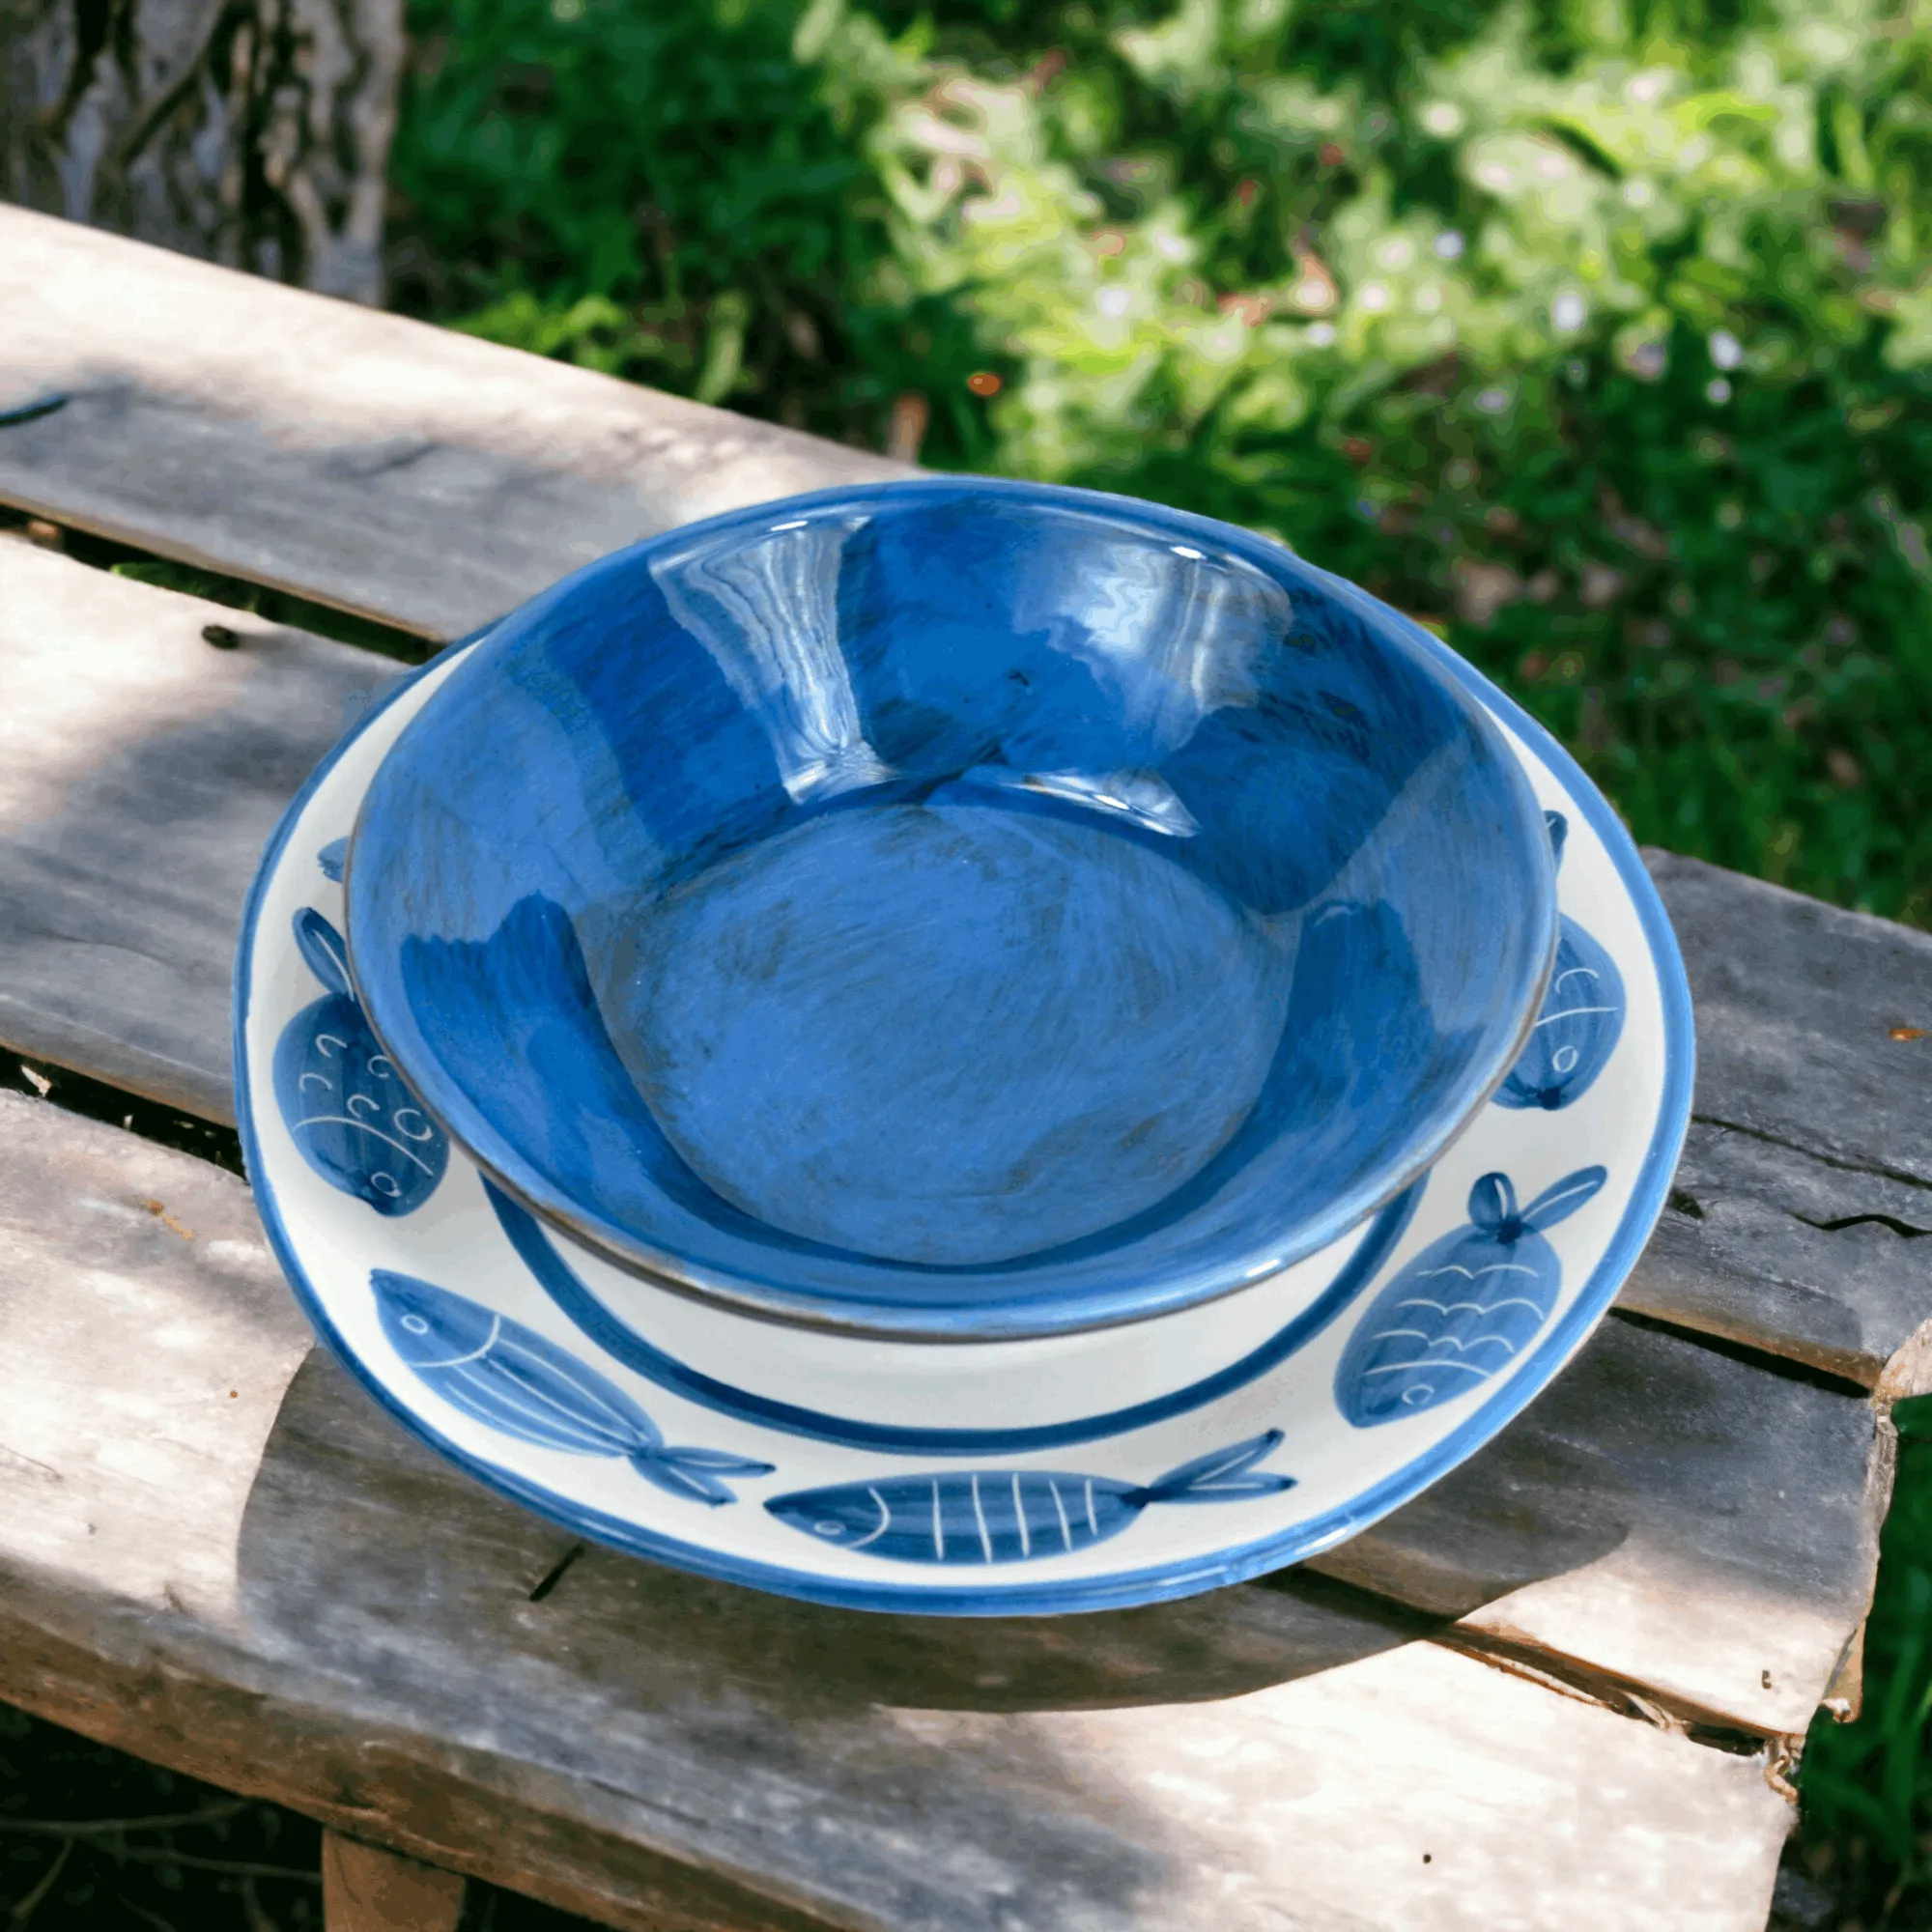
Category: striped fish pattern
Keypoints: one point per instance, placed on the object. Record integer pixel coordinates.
(1012, 1516)
(346, 1105)
(1465, 1308)
(1581, 1021)
(521, 1384)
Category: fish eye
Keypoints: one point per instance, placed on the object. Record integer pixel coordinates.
(416, 1324)
(1565, 1061)
(386, 1184)
(828, 1529)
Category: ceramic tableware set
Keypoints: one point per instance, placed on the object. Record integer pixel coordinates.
(957, 1046)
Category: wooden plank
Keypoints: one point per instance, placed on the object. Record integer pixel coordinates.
(366, 1889)
(404, 473)
(1800, 1024)
(141, 771)
(1772, 1246)
(276, 1589)
(1634, 1557)
(1806, 1185)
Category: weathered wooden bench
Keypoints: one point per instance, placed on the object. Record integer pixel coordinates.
(1564, 1687)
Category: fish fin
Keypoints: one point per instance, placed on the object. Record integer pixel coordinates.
(720, 1460)
(695, 1474)
(1559, 830)
(330, 859)
(1493, 1203)
(322, 949)
(1557, 1203)
(1220, 1475)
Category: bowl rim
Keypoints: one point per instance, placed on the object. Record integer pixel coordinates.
(470, 1129)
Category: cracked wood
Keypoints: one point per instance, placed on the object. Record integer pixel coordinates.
(1798, 1217)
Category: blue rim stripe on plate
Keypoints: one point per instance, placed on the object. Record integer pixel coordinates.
(561, 1283)
(1127, 1588)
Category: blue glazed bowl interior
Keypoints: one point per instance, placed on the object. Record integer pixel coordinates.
(952, 908)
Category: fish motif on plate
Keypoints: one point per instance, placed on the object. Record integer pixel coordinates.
(1465, 1308)
(346, 1107)
(523, 1384)
(1580, 1021)
(1013, 1515)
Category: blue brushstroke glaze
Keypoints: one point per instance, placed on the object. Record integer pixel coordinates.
(953, 908)
(517, 1382)
(1465, 1308)
(1012, 1516)
(330, 859)
(346, 1107)
(1581, 1020)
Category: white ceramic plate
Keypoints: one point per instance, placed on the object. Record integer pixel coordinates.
(1069, 1472)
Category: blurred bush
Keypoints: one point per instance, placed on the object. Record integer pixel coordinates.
(1597, 334)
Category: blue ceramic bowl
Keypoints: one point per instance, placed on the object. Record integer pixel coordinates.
(952, 908)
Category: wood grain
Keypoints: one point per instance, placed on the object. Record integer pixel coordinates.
(1827, 1262)
(141, 771)
(1806, 1189)
(366, 1889)
(325, 1613)
(404, 473)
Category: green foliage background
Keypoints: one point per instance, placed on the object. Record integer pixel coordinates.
(1595, 331)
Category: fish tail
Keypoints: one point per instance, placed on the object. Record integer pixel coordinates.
(323, 951)
(696, 1474)
(1556, 1203)
(1220, 1476)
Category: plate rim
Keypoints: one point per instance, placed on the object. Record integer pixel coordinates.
(1120, 1589)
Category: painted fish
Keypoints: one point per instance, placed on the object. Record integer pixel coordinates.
(1581, 1021)
(1009, 1516)
(354, 1121)
(516, 1380)
(1466, 1306)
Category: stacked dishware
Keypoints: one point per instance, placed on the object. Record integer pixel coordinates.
(957, 1046)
